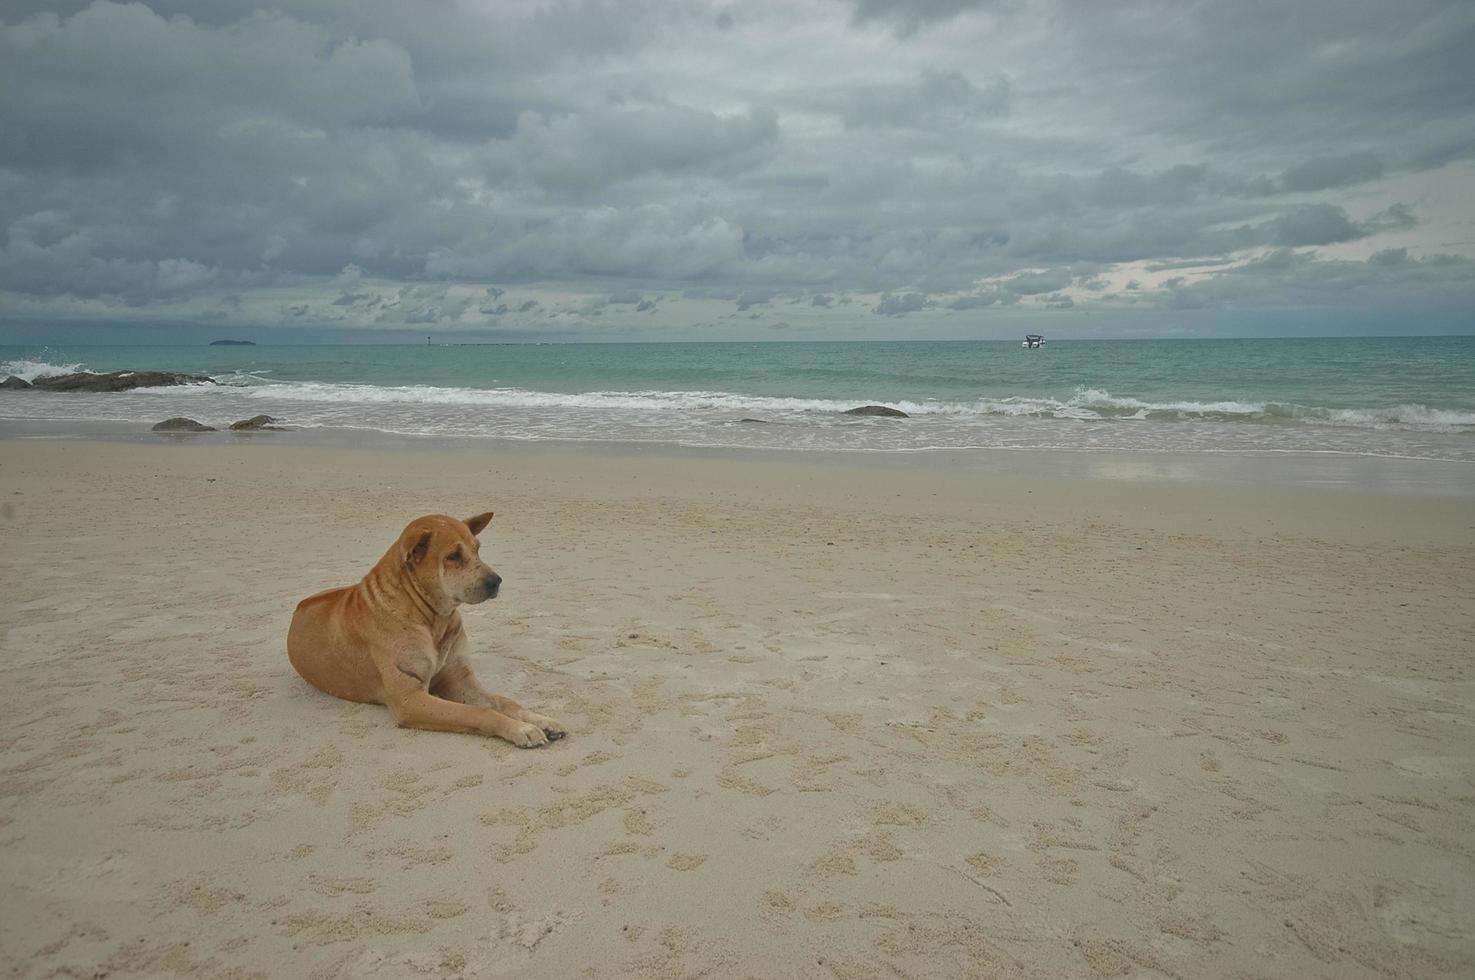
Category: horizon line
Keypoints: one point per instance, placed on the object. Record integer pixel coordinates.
(770, 340)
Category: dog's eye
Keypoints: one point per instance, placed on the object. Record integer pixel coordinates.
(454, 556)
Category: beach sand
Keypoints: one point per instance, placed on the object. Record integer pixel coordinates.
(827, 720)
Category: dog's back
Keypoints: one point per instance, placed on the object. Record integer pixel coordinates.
(324, 656)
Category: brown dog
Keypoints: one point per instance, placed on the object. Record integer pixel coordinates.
(396, 638)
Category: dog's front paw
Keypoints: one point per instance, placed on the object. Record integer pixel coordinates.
(551, 728)
(526, 736)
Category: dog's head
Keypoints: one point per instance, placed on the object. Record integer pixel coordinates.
(443, 555)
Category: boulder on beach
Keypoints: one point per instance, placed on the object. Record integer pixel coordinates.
(117, 380)
(878, 410)
(255, 423)
(181, 424)
(12, 383)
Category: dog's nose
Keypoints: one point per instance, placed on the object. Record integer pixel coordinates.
(493, 584)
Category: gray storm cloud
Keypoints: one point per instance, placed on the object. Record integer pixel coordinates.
(222, 159)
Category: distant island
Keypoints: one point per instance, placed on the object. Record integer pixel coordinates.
(232, 343)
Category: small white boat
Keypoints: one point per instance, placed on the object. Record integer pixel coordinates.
(1033, 340)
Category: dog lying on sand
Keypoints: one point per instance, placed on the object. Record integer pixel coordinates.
(396, 638)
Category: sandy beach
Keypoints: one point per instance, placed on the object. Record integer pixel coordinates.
(828, 720)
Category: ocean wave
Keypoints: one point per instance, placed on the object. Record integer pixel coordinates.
(241, 379)
(1412, 416)
(1085, 405)
(307, 391)
(31, 370)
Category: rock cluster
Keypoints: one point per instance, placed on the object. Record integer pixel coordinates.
(256, 423)
(181, 424)
(878, 410)
(116, 381)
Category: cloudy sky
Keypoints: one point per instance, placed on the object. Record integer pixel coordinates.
(684, 169)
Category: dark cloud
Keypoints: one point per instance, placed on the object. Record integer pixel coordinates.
(974, 301)
(1118, 187)
(909, 15)
(1396, 217)
(583, 151)
(900, 305)
(1318, 79)
(1313, 224)
(358, 162)
(1328, 172)
(1032, 283)
(934, 100)
(1287, 277)
(754, 297)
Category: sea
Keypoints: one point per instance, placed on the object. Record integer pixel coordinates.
(1405, 398)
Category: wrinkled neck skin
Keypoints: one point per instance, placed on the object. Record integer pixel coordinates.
(393, 583)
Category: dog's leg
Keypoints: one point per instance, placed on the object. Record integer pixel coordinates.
(421, 709)
(409, 699)
(457, 682)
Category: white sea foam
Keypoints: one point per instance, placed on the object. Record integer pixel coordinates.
(1412, 416)
(521, 398)
(241, 379)
(1086, 405)
(31, 370)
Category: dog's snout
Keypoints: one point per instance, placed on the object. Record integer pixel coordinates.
(493, 584)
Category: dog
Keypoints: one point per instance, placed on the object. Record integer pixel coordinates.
(396, 638)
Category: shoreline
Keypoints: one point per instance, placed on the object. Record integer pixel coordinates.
(1337, 471)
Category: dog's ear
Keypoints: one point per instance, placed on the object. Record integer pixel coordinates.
(418, 551)
(478, 522)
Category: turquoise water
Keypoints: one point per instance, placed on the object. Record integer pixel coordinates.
(1365, 396)
(1438, 372)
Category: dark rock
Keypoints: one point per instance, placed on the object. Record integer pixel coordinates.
(12, 383)
(256, 423)
(755, 421)
(232, 343)
(878, 410)
(178, 424)
(118, 381)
